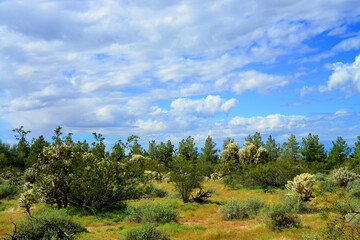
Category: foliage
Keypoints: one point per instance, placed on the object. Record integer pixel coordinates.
(338, 153)
(342, 176)
(145, 232)
(36, 148)
(150, 190)
(321, 176)
(302, 185)
(154, 213)
(290, 150)
(276, 174)
(227, 141)
(342, 219)
(353, 188)
(209, 153)
(255, 139)
(238, 209)
(272, 148)
(297, 204)
(54, 173)
(48, 224)
(7, 190)
(280, 215)
(186, 175)
(100, 182)
(312, 150)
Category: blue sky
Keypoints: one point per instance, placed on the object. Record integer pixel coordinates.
(170, 69)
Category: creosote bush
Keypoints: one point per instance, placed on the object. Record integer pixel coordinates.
(154, 213)
(146, 232)
(238, 209)
(353, 188)
(280, 215)
(302, 186)
(150, 191)
(7, 190)
(46, 225)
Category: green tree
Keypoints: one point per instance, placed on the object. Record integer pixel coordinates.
(98, 147)
(255, 139)
(134, 146)
(21, 151)
(290, 150)
(338, 153)
(272, 148)
(312, 151)
(209, 153)
(187, 149)
(36, 148)
(118, 151)
(57, 140)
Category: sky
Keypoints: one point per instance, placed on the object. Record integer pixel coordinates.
(171, 69)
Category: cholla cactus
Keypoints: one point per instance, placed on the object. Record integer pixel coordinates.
(302, 185)
(342, 176)
(28, 198)
(261, 155)
(247, 153)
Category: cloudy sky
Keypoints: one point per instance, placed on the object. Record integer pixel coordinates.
(170, 69)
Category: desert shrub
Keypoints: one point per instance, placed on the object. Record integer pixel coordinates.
(342, 176)
(238, 209)
(154, 213)
(353, 188)
(320, 176)
(46, 225)
(29, 175)
(211, 190)
(302, 186)
(325, 186)
(7, 190)
(275, 174)
(279, 216)
(150, 191)
(299, 206)
(175, 194)
(145, 232)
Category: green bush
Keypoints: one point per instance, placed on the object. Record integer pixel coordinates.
(238, 209)
(320, 176)
(151, 191)
(324, 186)
(299, 206)
(146, 232)
(47, 225)
(7, 190)
(353, 188)
(279, 216)
(154, 213)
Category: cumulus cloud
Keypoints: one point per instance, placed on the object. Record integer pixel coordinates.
(256, 80)
(345, 76)
(273, 122)
(209, 106)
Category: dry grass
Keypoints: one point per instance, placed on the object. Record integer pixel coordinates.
(196, 221)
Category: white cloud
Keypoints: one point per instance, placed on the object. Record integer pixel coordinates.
(345, 77)
(209, 106)
(273, 122)
(256, 80)
(150, 125)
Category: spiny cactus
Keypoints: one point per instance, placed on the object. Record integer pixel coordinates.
(302, 185)
(342, 176)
